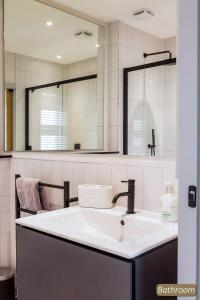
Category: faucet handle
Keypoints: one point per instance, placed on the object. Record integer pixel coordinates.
(129, 181)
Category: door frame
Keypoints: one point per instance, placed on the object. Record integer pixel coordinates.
(188, 125)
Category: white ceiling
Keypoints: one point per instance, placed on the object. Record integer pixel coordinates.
(26, 32)
(162, 25)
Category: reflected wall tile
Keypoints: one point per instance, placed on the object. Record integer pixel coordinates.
(152, 188)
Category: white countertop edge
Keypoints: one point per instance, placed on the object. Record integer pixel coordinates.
(98, 158)
(98, 247)
(119, 253)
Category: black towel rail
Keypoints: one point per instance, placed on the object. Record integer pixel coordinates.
(65, 187)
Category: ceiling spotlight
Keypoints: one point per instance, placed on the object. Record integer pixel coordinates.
(97, 46)
(49, 23)
(58, 56)
(143, 14)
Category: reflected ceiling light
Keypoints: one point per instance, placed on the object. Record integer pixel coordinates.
(58, 56)
(97, 46)
(49, 23)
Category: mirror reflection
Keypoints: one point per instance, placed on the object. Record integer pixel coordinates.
(53, 79)
(151, 109)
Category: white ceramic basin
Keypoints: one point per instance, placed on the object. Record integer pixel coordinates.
(102, 229)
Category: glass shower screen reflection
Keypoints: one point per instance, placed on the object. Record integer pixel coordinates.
(47, 119)
(65, 117)
(152, 106)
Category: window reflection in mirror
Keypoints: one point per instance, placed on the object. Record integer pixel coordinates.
(46, 47)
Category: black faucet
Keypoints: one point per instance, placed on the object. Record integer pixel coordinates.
(153, 145)
(130, 194)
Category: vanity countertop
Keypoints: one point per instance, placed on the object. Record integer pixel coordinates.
(102, 229)
(168, 162)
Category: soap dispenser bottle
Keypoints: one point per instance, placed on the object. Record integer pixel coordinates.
(169, 204)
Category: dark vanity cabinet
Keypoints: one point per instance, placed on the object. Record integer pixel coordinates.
(50, 268)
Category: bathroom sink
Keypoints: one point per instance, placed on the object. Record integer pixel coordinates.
(102, 229)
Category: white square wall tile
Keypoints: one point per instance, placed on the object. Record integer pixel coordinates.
(152, 188)
(36, 169)
(67, 171)
(57, 198)
(169, 174)
(114, 138)
(113, 32)
(120, 173)
(113, 84)
(57, 172)
(47, 170)
(4, 183)
(113, 57)
(78, 177)
(5, 252)
(5, 214)
(104, 174)
(18, 166)
(91, 173)
(137, 174)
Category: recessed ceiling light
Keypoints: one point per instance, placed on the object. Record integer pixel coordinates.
(58, 56)
(49, 23)
(97, 46)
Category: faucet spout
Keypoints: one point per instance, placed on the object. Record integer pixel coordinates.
(130, 194)
(117, 196)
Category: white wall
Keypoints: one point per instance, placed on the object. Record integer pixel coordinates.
(10, 69)
(5, 228)
(1, 80)
(188, 139)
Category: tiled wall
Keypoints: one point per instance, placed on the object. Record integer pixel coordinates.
(83, 106)
(81, 68)
(169, 107)
(148, 186)
(149, 176)
(5, 212)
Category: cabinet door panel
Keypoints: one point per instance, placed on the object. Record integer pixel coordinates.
(157, 266)
(52, 269)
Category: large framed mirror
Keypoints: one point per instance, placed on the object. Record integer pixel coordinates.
(149, 107)
(54, 79)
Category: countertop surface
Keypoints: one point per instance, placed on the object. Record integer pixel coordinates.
(158, 161)
(102, 229)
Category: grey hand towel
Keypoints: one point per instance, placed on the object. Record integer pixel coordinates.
(29, 196)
